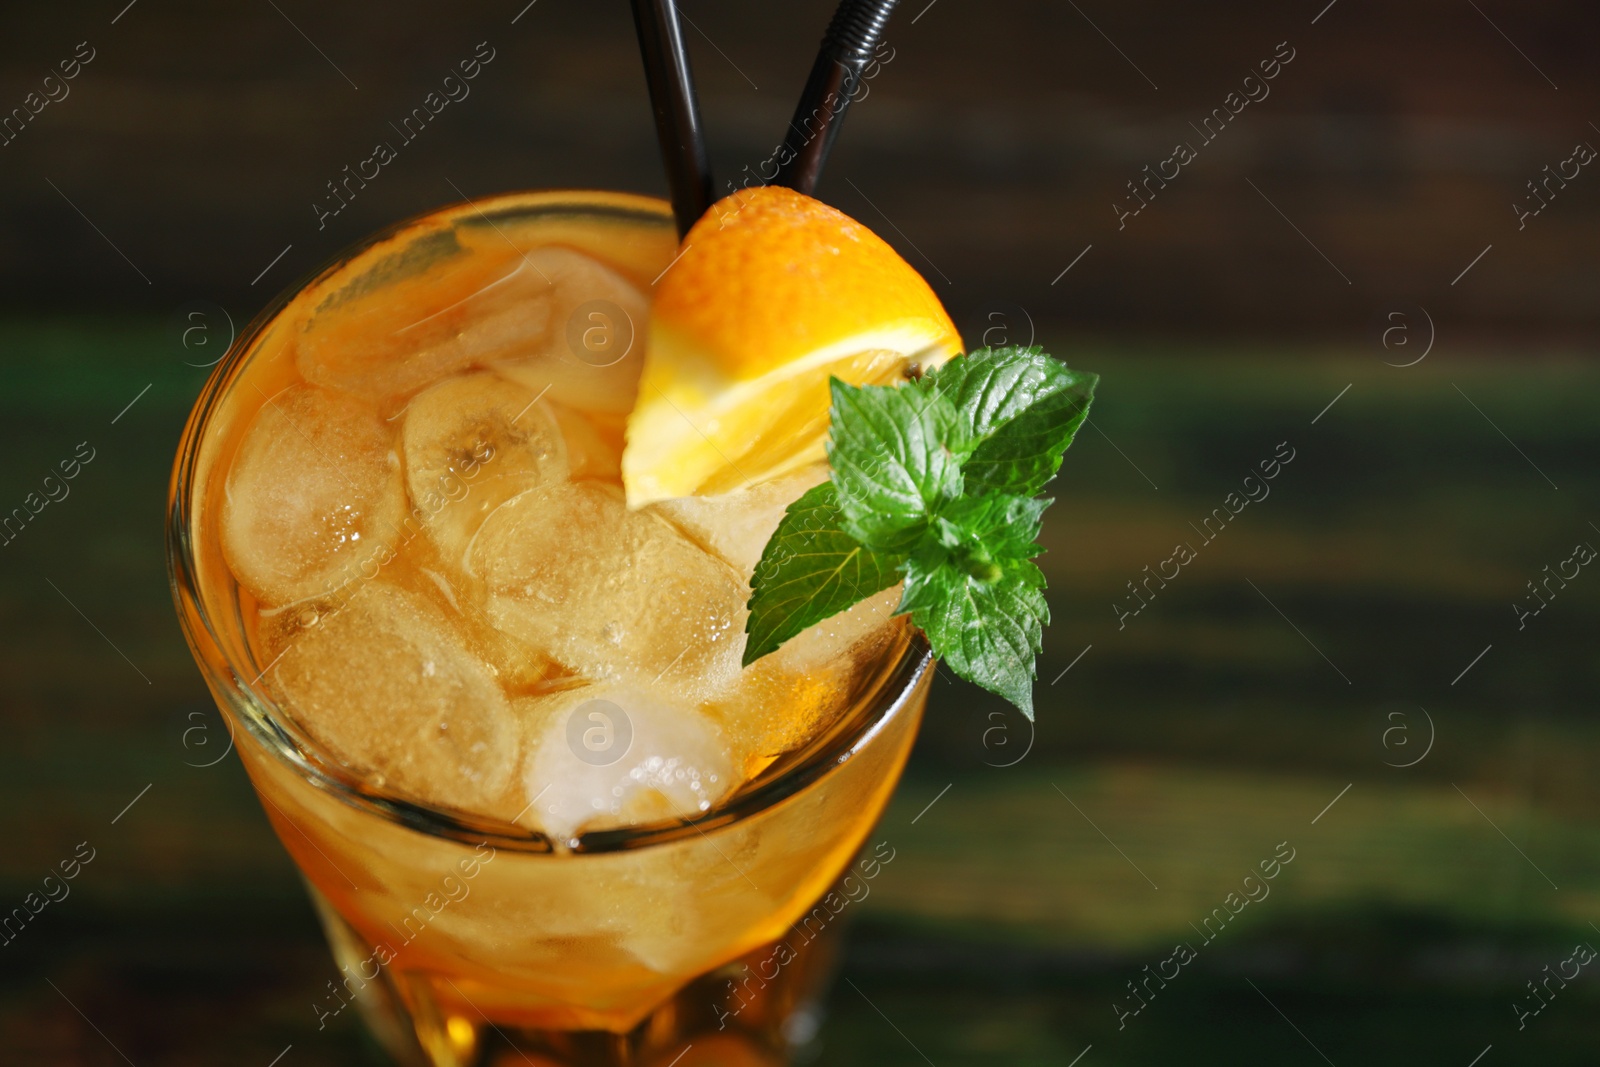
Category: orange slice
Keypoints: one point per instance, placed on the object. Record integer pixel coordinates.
(772, 293)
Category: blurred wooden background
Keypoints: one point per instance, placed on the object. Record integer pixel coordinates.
(991, 148)
(990, 151)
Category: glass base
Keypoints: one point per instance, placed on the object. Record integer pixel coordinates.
(759, 1011)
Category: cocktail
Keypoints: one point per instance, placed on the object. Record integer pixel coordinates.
(571, 661)
(353, 604)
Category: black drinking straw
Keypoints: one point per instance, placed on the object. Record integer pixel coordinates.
(847, 48)
(683, 145)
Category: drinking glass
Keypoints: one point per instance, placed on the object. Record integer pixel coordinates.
(463, 940)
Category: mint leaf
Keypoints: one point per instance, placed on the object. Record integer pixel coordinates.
(893, 460)
(1020, 407)
(988, 632)
(810, 570)
(1002, 525)
(934, 482)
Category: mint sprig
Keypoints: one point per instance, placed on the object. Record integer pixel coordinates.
(1020, 410)
(896, 458)
(810, 570)
(933, 483)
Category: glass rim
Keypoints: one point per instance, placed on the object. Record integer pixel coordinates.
(242, 703)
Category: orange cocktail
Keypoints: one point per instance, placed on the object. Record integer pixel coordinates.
(498, 715)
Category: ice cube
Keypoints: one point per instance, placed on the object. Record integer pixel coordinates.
(592, 353)
(471, 443)
(516, 667)
(608, 755)
(593, 449)
(387, 684)
(857, 634)
(387, 341)
(314, 496)
(786, 698)
(737, 525)
(613, 594)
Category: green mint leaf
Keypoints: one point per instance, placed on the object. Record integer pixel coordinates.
(1020, 408)
(988, 632)
(896, 457)
(811, 570)
(934, 482)
(995, 525)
